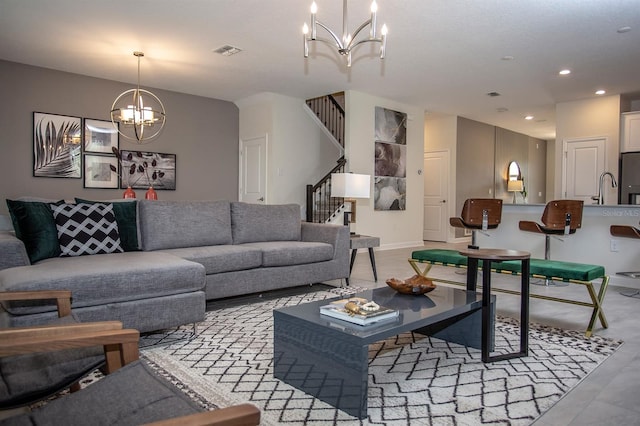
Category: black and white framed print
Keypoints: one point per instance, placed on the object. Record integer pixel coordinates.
(98, 171)
(140, 170)
(57, 142)
(100, 136)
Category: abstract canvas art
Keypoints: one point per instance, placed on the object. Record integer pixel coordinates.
(390, 159)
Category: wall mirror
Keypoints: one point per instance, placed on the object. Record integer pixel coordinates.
(514, 171)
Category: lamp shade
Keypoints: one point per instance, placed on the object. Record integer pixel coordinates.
(515, 186)
(350, 185)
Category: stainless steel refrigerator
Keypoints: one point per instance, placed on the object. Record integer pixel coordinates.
(629, 178)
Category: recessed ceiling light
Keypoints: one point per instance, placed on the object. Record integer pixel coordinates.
(565, 72)
(529, 117)
(600, 92)
(624, 30)
(507, 58)
(502, 109)
(493, 94)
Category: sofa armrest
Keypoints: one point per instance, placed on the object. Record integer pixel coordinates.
(12, 251)
(336, 235)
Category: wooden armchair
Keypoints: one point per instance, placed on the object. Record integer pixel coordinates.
(131, 393)
(28, 377)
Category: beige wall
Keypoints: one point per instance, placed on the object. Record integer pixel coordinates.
(597, 117)
(202, 132)
(395, 228)
(298, 152)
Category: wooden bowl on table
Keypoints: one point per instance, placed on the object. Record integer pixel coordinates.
(415, 285)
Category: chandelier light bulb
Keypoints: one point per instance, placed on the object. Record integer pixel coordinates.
(384, 30)
(314, 8)
(374, 6)
(305, 29)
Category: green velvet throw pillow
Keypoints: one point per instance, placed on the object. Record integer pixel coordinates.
(34, 225)
(126, 218)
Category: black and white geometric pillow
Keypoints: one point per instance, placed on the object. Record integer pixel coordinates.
(86, 229)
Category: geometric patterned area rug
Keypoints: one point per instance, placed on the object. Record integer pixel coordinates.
(413, 379)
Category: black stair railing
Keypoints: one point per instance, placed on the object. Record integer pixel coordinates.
(331, 114)
(320, 204)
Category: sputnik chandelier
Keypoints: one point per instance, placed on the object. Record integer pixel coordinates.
(136, 117)
(348, 41)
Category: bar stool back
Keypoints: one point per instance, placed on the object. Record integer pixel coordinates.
(627, 231)
(478, 214)
(560, 217)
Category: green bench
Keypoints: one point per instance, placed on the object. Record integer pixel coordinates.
(575, 273)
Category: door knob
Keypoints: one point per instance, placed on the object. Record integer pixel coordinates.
(443, 201)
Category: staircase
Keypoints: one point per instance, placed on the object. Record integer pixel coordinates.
(329, 114)
(320, 205)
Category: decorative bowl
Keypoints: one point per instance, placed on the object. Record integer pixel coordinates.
(415, 285)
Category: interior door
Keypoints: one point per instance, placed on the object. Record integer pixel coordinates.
(253, 170)
(436, 191)
(584, 163)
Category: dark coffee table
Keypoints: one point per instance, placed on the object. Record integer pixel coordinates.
(328, 358)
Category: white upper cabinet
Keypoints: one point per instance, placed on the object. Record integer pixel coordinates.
(630, 130)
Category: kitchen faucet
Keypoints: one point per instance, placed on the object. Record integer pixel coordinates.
(600, 197)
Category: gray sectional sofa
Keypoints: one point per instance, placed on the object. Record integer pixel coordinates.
(185, 253)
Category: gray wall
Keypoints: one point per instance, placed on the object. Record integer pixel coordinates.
(483, 155)
(202, 132)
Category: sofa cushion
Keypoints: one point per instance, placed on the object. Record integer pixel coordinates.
(126, 213)
(259, 222)
(286, 253)
(223, 258)
(175, 224)
(104, 278)
(86, 229)
(34, 225)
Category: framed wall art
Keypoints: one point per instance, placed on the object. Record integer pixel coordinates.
(57, 142)
(98, 172)
(100, 136)
(390, 177)
(140, 170)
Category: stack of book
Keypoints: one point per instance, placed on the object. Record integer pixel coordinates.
(362, 317)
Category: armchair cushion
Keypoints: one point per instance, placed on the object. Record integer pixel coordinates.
(132, 395)
(33, 377)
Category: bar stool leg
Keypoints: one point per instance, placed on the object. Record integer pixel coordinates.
(547, 282)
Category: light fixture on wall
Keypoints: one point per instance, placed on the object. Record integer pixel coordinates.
(137, 113)
(348, 41)
(515, 186)
(350, 186)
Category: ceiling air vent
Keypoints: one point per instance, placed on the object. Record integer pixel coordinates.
(227, 50)
(493, 94)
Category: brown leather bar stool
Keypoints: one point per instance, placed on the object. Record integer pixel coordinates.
(473, 217)
(627, 231)
(560, 217)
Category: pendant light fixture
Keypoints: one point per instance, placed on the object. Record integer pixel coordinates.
(138, 114)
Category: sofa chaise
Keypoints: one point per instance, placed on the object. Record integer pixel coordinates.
(177, 255)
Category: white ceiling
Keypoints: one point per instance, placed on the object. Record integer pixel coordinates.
(442, 55)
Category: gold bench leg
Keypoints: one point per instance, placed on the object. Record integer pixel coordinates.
(597, 305)
(423, 272)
